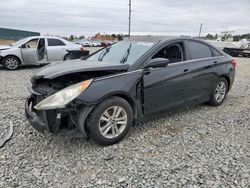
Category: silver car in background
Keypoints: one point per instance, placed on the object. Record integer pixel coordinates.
(39, 50)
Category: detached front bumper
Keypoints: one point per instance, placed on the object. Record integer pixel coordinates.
(35, 121)
(67, 120)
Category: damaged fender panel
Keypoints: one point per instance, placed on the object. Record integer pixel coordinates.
(125, 84)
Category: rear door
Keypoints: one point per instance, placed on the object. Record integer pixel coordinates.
(56, 49)
(202, 68)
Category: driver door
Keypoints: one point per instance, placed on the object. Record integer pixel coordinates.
(28, 51)
(166, 87)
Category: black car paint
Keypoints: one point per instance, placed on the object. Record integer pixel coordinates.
(148, 91)
(76, 66)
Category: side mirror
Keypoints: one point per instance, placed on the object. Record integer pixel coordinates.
(22, 46)
(157, 62)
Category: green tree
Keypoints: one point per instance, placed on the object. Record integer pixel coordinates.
(209, 36)
(72, 37)
(215, 36)
(120, 37)
(113, 36)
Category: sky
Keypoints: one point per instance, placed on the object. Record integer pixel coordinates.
(149, 17)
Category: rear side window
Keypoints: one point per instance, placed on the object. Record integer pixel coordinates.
(55, 42)
(199, 50)
(215, 53)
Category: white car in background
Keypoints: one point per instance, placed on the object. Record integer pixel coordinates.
(39, 50)
(86, 43)
(96, 44)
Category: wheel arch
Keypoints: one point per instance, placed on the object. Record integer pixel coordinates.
(11, 55)
(130, 101)
(227, 79)
(86, 112)
(124, 96)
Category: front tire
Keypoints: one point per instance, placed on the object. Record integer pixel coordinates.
(11, 62)
(110, 121)
(219, 92)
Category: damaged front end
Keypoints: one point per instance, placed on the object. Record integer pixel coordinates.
(70, 118)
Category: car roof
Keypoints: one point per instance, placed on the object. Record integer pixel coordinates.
(154, 39)
(34, 37)
(162, 39)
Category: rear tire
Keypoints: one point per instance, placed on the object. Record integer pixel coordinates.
(219, 92)
(11, 62)
(110, 121)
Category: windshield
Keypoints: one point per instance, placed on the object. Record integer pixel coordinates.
(122, 52)
(19, 42)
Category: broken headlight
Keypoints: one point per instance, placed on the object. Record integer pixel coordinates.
(61, 98)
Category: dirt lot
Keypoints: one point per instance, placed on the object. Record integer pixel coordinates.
(199, 146)
(6, 42)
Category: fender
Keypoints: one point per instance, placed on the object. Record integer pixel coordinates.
(126, 84)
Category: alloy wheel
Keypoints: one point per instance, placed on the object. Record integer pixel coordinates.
(220, 91)
(11, 63)
(113, 122)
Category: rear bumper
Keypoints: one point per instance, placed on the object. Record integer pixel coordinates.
(232, 77)
(77, 54)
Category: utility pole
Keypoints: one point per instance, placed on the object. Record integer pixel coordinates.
(200, 31)
(129, 24)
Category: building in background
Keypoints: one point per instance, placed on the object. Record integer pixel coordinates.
(13, 34)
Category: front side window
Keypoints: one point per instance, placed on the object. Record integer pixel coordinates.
(19, 42)
(122, 52)
(173, 52)
(199, 50)
(32, 43)
(55, 42)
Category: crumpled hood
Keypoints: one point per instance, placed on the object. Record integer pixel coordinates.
(4, 47)
(57, 69)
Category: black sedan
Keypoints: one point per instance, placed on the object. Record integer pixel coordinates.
(102, 95)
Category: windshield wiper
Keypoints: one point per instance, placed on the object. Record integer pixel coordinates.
(125, 57)
(100, 58)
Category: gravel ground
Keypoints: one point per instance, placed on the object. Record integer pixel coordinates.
(199, 146)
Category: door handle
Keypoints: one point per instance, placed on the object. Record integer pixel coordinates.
(186, 70)
(215, 62)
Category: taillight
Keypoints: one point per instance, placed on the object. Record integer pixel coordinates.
(234, 63)
(82, 49)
